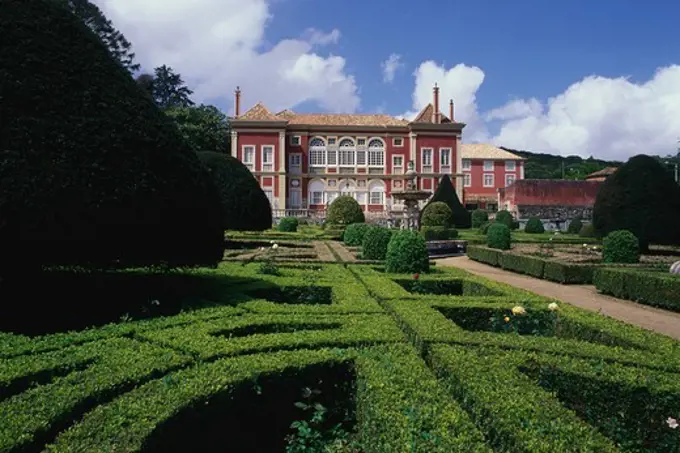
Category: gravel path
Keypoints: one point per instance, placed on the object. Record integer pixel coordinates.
(583, 296)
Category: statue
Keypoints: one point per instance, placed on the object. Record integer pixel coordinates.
(410, 197)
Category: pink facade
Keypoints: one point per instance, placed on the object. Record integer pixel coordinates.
(305, 161)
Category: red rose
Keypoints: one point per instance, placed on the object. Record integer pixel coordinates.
(416, 276)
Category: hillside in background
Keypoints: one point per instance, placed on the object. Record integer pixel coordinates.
(549, 166)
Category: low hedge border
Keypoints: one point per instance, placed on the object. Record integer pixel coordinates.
(565, 273)
(209, 340)
(649, 288)
(401, 407)
(29, 418)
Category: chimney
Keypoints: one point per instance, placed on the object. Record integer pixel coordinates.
(237, 102)
(451, 111)
(437, 116)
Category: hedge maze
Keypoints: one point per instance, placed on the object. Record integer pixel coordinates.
(362, 359)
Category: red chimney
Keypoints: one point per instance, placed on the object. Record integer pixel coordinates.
(451, 111)
(437, 116)
(237, 102)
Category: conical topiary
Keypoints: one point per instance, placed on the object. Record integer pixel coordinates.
(643, 198)
(447, 193)
(91, 171)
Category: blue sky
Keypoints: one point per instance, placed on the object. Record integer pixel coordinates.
(594, 77)
(527, 48)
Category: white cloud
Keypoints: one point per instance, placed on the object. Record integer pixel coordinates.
(317, 37)
(218, 44)
(390, 67)
(518, 108)
(611, 118)
(459, 83)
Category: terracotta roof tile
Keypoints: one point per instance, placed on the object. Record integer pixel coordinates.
(339, 119)
(486, 151)
(259, 113)
(425, 115)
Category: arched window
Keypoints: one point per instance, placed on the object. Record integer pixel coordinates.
(347, 152)
(376, 192)
(316, 192)
(376, 153)
(317, 153)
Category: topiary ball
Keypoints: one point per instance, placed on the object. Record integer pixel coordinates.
(479, 217)
(587, 231)
(374, 245)
(344, 210)
(407, 253)
(534, 226)
(621, 246)
(504, 217)
(575, 226)
(288, 224)
(354, 234)
(498, 236)
(436, 214)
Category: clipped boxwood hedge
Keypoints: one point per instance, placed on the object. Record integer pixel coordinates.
(354, 234)
(650, 288)
(374, 245)
(434, 233)
(288, 225)
(407, 252)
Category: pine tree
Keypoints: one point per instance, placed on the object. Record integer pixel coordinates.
(169, 90)
(119, 47)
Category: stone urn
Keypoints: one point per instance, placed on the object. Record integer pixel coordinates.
(675, 268)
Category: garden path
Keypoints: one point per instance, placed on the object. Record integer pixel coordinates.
(582, 296)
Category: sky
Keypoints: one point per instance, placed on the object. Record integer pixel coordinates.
(580, 77)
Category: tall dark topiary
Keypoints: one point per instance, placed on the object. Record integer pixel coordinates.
(641, 197)
(447, 193)
(91, 172)
(245, 205)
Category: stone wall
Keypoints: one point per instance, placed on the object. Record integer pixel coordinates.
(554, 212)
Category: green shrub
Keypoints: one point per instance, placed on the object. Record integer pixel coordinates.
(620, 247)
(505, 218)
(245, 206)
(575, 226)
(534, 226)
(436, 214)
(92, 171)
(587, 231)
(498, 236)
(437, 233)
(643, 198)
(288, 225)
(344, 210)
(484, 255)
(479, 217)
(484, 228)
(354, 234)
(523, 264)
(447, 193)
(374, 245)
(407, 253)
(650, 288)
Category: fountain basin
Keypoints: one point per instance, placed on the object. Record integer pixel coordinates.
(443, 249)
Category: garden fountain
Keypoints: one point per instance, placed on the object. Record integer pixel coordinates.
(411, 196)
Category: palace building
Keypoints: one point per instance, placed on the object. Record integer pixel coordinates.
(303, 161)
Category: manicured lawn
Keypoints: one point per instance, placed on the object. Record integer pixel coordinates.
(374, 362)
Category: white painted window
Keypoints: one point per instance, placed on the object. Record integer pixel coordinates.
(467, 180)
(361, 157)
(316, 197)
(332, 158)
(332, 140)
(361, 197)
(376, 198)
(376, 153)
(295, 199)
(317, 153)
(316, 192)
(376, 192)
(488, 165)
(347, 152)
(426, 159)
(509, 179)
(398, 165)
(295, 162)
(488, 180)
(295, 140)
(445, 156)
(398, 142)
(249, 157)
(510, 165)
(267, 158)
(361, 142)
(270, 196)
(330, 196)
(467, 164)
